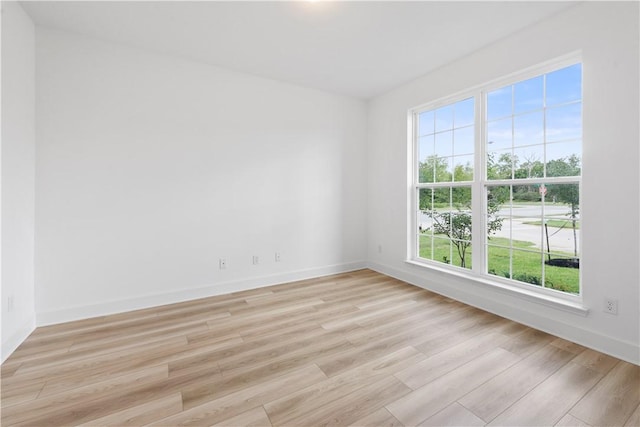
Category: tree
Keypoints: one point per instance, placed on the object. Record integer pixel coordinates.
(531, 167)
(566, 193)
(501, 167)
(463, 172)
(457, 224)
(434, 169)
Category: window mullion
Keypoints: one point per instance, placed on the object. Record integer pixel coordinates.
(414, 239)
(478, 198)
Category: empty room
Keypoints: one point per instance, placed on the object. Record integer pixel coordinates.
(311, 213)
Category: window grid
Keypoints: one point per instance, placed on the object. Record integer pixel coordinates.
(480, 183)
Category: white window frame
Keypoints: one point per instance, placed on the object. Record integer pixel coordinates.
(478, 273)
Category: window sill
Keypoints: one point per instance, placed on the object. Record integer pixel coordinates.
(574, 307)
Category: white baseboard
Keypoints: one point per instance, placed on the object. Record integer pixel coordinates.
(618, 348)
(119, 306)
(10, 344)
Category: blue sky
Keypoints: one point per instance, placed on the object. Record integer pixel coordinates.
(516, 120)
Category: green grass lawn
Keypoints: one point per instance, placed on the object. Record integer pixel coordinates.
(527, 266)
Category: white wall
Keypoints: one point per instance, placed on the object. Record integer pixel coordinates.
(151, 168)
(18, 175)
(607, 34)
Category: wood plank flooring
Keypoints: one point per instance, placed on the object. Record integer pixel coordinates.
(356, 349)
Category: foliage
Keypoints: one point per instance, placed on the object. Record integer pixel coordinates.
(502, 167)
(527, 196)
(456, 224)
(450, 207)
(434, 169)
(501, 260)
(522, 277)
(530, 168)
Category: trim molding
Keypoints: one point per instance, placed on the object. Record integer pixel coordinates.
(520, 313)
(539, 298)
(11, 344)
(118, 306)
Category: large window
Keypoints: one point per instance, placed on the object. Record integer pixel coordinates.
(497, 181)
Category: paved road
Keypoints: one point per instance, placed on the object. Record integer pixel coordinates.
(533, 211)
(514, 226)
(560, 240)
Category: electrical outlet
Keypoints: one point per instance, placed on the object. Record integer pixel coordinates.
(256, 260)
(611, 306)
(10, 303)
(223, 263)
(277, 257)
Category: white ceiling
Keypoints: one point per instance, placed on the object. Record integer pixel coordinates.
(359, 49)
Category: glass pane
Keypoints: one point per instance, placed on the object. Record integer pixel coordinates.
(499, 261)
(444, 144)
(527, 267)
(442, 250)
(425, 200)
(528, 95)
(528, 198)
(442, 198)
(463, 140)
(499, 134)
(529, 162)
(461, 199)
(562, 214)
(463, 111)
(499, 164)
(527, 211)
(461, 225)
(463, 168)
(564, 85)
(461, 256)
(526, 232)
(498, 197)
(564, 122)
(522, 195)
(426, 170)
(424, 246)
(444, 118)
(499, 103)
(498, 220)
(562, 274)
(564, 158)
(444, 169)
(425, 147)
(560, 236)
(528, 129)
(562, 204)
(442, 221)
(426, 123)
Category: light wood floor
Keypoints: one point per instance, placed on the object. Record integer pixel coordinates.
(352, 349)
